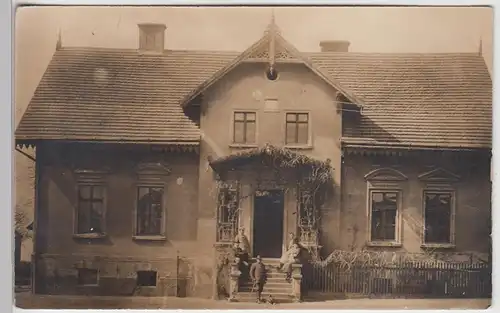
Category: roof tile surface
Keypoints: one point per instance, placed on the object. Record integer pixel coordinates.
(441, 100)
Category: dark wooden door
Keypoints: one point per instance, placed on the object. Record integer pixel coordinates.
(268, 224)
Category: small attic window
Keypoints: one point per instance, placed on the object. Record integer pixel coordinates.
(151, 37)
(272, 73)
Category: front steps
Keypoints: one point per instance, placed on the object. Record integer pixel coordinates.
(276, 286)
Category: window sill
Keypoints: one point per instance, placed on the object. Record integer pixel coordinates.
(90, 236)
(299, 147)
(384, 244)
(149, 238)
(243, 145)
(437, 246)
(223, 244)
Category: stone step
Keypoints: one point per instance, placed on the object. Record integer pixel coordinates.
(270, 284)
(281, 289)
(277, 297)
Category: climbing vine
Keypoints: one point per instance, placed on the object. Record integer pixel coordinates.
(311, 179)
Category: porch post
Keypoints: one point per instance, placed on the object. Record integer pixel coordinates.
(297, 282)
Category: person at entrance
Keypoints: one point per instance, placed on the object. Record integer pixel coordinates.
(290, 257)
(259, 276)
(242, 251)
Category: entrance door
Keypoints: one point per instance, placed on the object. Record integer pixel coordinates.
(268, 223)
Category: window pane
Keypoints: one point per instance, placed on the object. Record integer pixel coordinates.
(96, 220)
(437, 217)
(83, 219)
(239, 132)
(304, 117)
(303, 133)
(239, 117)
(250, 117)
(97, 192)
(85, 192)
(377, 226)
(384, 212)
(149, 211)
(143, 191)
(291, 117)
(291, 133)
(250, 132)
(156, 195)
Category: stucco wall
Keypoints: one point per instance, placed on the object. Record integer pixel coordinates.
(58, 199)
(473, 199)
(297, 89)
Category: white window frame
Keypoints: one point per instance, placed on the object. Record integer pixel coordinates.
(151, 175)
(234, 144)
(385, 180)
(92, 178)
(309, 143)
(438, 181)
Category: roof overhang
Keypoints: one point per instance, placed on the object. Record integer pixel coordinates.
(172, 146)
(370, 146)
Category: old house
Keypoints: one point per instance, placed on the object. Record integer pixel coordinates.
(148, 160)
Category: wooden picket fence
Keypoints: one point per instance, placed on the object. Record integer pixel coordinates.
(416, 279)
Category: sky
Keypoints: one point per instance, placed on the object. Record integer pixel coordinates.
(369, 29)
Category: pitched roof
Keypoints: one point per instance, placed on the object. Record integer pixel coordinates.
(422, 100)
(427, 100)
(272, 40)
(118, 95)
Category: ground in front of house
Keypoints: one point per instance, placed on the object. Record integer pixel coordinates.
(28, 301)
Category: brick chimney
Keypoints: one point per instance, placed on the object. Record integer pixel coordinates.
(151, 37)
(334, 46)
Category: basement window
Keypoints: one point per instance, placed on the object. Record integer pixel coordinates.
(146, 278)
(87, 277)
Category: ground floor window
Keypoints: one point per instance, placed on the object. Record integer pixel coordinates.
(437, 217)
(150, 211)
(384, 206)
(91, 208)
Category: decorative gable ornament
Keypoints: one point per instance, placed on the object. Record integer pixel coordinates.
(385, 174)
(264, 53)
(153, 168)
(94, 175)
(439, 175)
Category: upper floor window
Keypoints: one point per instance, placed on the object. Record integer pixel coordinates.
(437, 216)
(297, 128)
(244, 128)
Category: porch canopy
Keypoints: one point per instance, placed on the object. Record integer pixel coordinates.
(277, 158)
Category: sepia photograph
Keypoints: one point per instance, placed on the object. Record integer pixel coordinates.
(253, 157)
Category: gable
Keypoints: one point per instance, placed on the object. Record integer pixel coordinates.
(272, 48)
(438, 175)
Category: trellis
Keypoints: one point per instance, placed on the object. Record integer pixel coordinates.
(311, 179)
